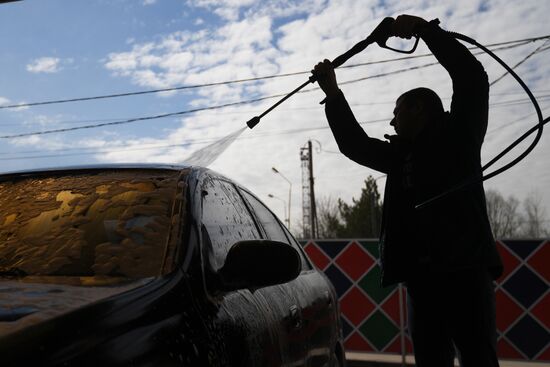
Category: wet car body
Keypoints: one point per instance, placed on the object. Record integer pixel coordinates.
(212, 303)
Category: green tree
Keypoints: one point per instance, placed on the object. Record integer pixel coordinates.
(360, 219)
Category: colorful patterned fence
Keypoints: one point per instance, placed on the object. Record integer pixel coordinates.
(374, 318)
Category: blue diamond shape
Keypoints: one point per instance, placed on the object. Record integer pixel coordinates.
(525, 286)
(522, 248)
(338, 279)
(528, 336)
(346, 327)
(332, 248)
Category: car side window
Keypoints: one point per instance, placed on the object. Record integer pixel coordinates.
(272, 225)
(225, 218)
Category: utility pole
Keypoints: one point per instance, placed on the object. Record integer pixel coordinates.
(309, 210)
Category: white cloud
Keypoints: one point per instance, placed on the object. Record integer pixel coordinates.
(149, 2)
(44, 65)
(235, 50)
(226, 9)
(4, 101)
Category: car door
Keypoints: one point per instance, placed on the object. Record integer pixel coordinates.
(240, 323)
(311, 332)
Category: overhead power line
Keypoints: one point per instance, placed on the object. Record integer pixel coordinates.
(538, 49)
(42, 154)
(498, 46)
(180, 113)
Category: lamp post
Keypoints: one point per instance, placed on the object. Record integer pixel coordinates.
(284, 203)
(289, 192)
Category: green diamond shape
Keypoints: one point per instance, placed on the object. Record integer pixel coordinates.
(371, 285)
(379, 330)
(372, 247)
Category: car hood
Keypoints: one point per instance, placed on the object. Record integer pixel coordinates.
(24, 303)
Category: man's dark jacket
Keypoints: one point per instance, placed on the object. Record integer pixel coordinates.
(452, 233)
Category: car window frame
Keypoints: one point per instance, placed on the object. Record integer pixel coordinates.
(210, 253)
(290, 239)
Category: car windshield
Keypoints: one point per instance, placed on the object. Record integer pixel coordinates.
(106, 223)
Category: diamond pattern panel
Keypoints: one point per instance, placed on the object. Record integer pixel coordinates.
(357, 342)
(509, 261)
(525, 286)
(319, 259)
(348, 306)
(507, 350)
(347, 329)
(372, 247)
(371, 316)
(508, 311)
(538, 338)
(370, 283)
(540, 261)
(379, 330)
(332, 248)
(391, 307)
(522, 248)
(354, 261)
(542, 310)
(545, 356)
(339, 280)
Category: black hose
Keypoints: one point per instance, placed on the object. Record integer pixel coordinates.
(539, 128)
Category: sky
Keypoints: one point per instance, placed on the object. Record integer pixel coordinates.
(62, 49)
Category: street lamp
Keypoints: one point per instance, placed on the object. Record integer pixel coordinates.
(289, 192)
(284, 203)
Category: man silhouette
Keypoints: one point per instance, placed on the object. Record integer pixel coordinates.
(445, 252)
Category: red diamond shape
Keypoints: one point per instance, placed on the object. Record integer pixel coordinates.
(545, 356)
(394, 347)
(391, 307)
(509, 260)
(508, 310)
(408, 344)
(539, 261)
(317, 256)
(355, 261)
(541, 310)
(356, 306)
(507, 350)
(357, 343)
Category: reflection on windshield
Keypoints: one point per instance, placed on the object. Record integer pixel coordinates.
(113, 223)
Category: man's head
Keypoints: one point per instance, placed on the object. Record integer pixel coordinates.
(414, 110)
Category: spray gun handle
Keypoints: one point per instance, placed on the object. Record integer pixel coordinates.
(385, 31)
(380, 35)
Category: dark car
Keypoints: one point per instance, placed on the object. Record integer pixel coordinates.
(155, 266)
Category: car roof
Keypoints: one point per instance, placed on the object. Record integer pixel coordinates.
(61, 169)
(194, 170)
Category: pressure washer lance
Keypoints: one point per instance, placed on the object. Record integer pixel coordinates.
(380, 35)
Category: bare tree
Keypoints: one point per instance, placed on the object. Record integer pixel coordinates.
(328, 217)
(534, 217)
(503, 214)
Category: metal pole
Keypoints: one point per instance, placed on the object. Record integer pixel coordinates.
(289, 192)
(402, 326)
(284, 205)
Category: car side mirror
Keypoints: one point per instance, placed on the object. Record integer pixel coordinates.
(259, 263)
